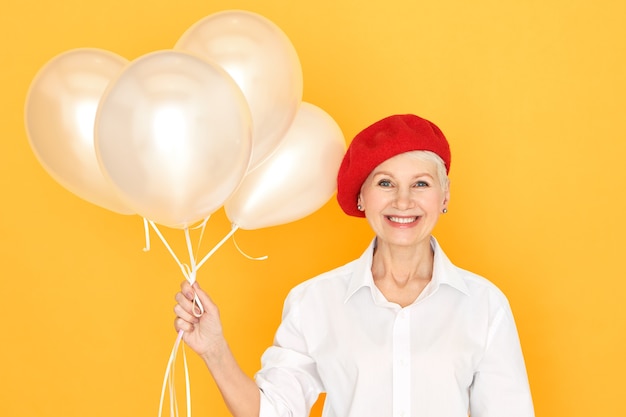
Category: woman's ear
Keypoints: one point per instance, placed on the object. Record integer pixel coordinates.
(359, 203)
(446, 197)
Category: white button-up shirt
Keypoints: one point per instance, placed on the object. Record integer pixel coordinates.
(455, 351)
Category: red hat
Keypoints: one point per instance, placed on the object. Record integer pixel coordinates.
(375, 144)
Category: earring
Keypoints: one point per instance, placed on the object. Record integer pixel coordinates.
(444, 211)
(359, 207)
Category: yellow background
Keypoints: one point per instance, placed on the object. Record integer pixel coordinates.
(531, 95)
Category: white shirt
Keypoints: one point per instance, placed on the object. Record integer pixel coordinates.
(455, 351)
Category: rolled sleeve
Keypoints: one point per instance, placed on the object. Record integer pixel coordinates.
(500, 386)
(288, 379)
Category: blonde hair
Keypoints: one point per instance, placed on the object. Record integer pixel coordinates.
(442, 174)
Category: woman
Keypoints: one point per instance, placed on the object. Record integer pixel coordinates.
(400, 331)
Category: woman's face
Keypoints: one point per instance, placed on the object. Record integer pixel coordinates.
(403, 198)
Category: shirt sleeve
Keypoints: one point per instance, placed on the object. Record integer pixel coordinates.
(288, 379)
(500, 386)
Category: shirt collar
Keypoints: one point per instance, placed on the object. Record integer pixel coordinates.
(362, 274)
(444, 272)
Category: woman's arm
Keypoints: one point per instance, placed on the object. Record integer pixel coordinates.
(500, 386)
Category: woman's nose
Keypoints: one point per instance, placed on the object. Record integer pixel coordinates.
(403, 199)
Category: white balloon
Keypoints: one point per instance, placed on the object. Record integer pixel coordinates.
(173, 134)
(297, 179)
(264, 63)
(60, 113)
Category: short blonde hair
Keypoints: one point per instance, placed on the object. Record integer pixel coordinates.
(442, 173)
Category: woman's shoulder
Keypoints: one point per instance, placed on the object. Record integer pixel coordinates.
(333, 281)
(467, 281)
(482, 287)
(330, 277)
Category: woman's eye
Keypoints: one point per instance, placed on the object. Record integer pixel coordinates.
(421, 184)
(384, 183)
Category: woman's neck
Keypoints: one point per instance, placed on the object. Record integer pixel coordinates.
(402, 272)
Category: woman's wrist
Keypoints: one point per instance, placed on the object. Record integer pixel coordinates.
(216, 353)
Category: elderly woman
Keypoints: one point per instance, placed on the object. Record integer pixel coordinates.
(401, 331)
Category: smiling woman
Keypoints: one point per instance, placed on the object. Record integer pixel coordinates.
(443, 340)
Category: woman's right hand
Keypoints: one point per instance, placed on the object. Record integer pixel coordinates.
(203, 334)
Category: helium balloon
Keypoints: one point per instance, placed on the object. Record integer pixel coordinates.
(264, 64)
(297, 179)
(60, 114)
(173, 134)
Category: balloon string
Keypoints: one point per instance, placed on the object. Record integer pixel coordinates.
(197, 307)
(146, 229)
(202, 227)
(187, 385)
(182, 267)
(172, 388)
(195, 267)
(190, 274)
(169, 378)
(192, 258)
(216, 247)
(260, 258)
(166, 378)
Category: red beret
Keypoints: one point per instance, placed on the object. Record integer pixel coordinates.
(375, 144)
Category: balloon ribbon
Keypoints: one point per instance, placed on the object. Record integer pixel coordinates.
(198, 309)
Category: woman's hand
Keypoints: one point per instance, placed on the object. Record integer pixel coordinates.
(203, 334)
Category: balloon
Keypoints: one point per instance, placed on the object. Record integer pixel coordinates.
(173, 134)
(60, 113)
(297, 179)
(263, 62)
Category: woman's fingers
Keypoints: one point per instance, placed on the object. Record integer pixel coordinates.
(204, 298)
(192, 291)
(184, 310)
(187, 290)
(180, 324)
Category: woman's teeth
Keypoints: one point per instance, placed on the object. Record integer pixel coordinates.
(402, 219)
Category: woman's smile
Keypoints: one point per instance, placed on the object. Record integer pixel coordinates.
(402, 220)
